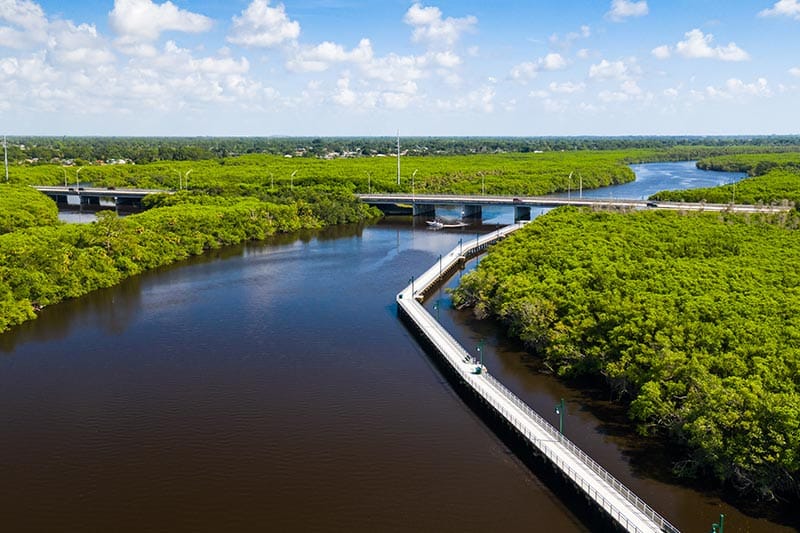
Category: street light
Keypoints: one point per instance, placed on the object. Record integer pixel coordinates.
(78, 183)
(461, 246)
(412, 183)
(569, 188)
(440, 264)
(560, 412)
(186, 178)
(436, 308)
(65, 177)
(411, 280)
(480, 352)
(719, 527)
(369, 182)
(291, 183)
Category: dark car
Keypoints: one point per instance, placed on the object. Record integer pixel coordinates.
(652, 204)
(516, 200)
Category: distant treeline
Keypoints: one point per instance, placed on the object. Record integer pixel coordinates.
(140, 150)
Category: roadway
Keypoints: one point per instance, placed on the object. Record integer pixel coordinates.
(549, 201)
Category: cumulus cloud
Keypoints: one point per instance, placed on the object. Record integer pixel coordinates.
(569, 39)
(481, 99)
(622, 9)
(699, 45)
(28, 24)
(530, 69)
(140, 22)
(795, 71)
(735, 89)
(609, 70)
(321, 57)
(783, 8)
(263, 26)
(430, 27)
(661, 52)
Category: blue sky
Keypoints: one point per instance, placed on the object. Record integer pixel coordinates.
(357, 67)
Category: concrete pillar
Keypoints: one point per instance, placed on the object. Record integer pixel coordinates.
(424, 210)
(472, 211)
(521, 212)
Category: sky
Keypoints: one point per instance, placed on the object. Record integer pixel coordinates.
(375, 67)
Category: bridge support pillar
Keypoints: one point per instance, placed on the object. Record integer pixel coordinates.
(424, 210)
(472, 211)
(521, 212)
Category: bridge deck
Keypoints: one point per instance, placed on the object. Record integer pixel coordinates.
(548, 201)
(627, 509)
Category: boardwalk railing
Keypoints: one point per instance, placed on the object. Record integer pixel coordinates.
(617, 500)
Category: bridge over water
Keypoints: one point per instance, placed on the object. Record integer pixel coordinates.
(471, 206)
(618, 503)
(98, 196)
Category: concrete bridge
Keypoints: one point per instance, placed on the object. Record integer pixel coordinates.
(98, 196)
(618, 504)
(471, 206)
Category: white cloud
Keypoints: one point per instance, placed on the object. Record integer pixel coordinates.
(481, 99)
(29, 20)
(608, 70)
(759, 88)
(583, 53)
(447, 59)
(569, 39)
(139, 22)
(661, 52)
(430, 27)
(698, 45)
(622, 9)
(529, 70)
(322, 56)
(567, 87)
(795, 71)
(613, 96)
(263, 26)
(671, 92)
(783, 8)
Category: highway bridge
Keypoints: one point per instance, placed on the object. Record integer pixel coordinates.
(471, 206)
(98, 196)
(619, 504)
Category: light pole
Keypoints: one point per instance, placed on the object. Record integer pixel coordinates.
(413, 174)
(580, 181)
(569, 188)
(65, 177)
(77, 182)
(480, 352)
(186, 178)
(180, 180)
(461, 246)
(291, 183)
(411, 280)
(369, 182)
(560, 413)
(440, 264)
(483, 183)
(436, 308)
(719, 527)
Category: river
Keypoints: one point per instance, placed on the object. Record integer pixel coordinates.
(272, 387)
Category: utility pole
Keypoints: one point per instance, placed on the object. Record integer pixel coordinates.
(5, 155)
(398, 158)
(560, 413)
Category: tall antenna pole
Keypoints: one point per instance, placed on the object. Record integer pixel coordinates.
(398, 157)
(5, 155)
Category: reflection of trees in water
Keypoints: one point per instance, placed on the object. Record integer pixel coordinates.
(113, 309)
(109, 309)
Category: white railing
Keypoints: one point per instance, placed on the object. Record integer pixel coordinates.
(554, 446)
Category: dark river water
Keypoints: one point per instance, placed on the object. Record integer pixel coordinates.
(271, 387)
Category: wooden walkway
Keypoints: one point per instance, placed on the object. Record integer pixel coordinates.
(609, 494)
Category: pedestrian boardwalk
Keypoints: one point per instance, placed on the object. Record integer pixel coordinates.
(609, 494)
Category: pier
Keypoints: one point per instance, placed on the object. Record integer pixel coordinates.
(619, 504)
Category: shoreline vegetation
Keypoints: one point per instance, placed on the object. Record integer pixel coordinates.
(689, 319)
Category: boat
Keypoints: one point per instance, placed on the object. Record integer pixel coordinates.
(439, 224)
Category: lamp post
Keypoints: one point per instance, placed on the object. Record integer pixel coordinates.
(77, 182)
(440, 264)
(369, 182)
(180, 180)
(436, 308)
(461, 246)
(580, 186)
(480, 352)
(413, 174)
(291, 183)
(569, 187)
(719, 527)
(411, 280)
(560, 412)
(65, 177)
(186, 178)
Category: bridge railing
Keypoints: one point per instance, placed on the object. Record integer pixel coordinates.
(420, 315)
(618, 486)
